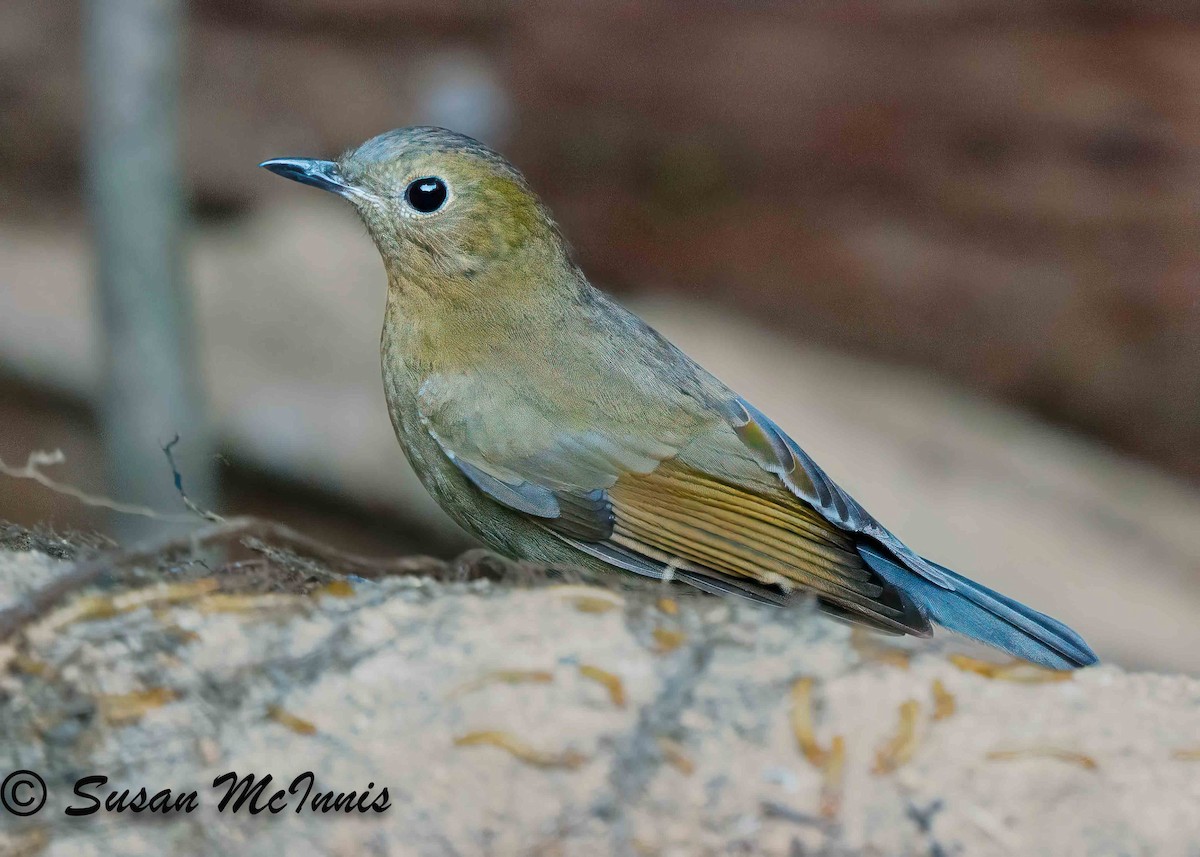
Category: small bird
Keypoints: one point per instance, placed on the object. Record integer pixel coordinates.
(557, 426)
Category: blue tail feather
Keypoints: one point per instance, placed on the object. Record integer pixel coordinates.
(986, 615)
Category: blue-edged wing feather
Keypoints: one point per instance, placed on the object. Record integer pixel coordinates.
(779, 454)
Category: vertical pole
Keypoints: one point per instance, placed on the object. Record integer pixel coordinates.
(133, 59)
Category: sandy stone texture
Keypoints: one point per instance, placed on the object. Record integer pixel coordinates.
(514, 717)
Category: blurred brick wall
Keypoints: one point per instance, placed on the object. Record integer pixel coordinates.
(1007, 192)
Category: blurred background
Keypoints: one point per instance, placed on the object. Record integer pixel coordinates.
(950, 245)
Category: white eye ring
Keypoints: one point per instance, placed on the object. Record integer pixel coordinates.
(427, 195)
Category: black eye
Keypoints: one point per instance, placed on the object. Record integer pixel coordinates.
(426, 195)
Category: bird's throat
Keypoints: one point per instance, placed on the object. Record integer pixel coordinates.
(459, 324)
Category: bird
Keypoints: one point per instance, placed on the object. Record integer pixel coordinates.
(557, 426)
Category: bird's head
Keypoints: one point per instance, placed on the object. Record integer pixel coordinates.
(444, 210)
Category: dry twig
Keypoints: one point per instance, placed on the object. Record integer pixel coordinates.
(247, 531)
(40, 458)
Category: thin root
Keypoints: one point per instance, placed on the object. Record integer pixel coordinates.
(900, 747)
(803, 722)
(944, 703)
(290, 721)
(666, 641)
(125, 708)
(611, 682)
(674, 755)
(1074, 758)
(833, 777)
(502, 677)
(1018, 671)
(568, 759)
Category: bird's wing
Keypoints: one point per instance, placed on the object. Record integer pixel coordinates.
(706, 501)
(778, 454)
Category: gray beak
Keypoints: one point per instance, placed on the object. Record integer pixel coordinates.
(322, 174)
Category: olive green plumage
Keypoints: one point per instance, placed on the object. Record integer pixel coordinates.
(557, 426)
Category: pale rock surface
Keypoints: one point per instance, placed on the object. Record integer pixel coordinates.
(701, 758)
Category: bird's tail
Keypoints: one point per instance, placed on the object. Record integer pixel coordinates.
(985, 615)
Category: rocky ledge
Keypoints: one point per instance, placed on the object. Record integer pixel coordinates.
(479, 707)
